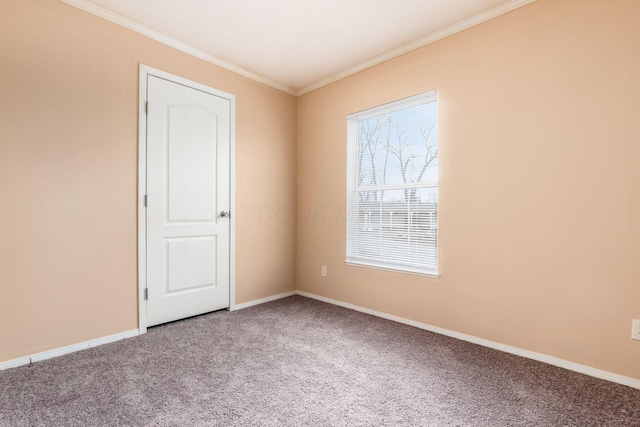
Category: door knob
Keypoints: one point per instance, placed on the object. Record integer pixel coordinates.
(225, 214)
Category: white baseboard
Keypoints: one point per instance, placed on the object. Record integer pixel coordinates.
(67, 349)
(25, 360)
(551, 360)
(262, 300)
(14, 363)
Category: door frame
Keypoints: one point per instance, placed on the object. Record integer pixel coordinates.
(146, 71)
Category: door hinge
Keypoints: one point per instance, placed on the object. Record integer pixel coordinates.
(146, 107)
(145, 201)
(146, 293)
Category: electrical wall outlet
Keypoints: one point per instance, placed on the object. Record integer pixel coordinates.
(323, 271)
(635, 329)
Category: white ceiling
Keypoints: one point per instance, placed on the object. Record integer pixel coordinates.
(297, 45)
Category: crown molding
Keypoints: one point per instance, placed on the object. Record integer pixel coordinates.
(421, 42)
(169, 41)
(394, 53)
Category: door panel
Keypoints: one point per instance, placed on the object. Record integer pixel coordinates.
(191, 168)
(188, 140)
(189, 263)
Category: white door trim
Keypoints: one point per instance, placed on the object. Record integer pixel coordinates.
(145, 71)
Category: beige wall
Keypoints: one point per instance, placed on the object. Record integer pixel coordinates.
(68, 175)
(539, 155)
(539, 182)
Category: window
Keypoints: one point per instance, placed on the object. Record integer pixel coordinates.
(392, 186)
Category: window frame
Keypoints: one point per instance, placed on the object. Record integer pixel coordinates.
(352, 188)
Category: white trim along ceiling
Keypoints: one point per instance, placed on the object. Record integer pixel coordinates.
(321, 53)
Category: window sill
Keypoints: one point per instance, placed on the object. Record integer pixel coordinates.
(387, 267)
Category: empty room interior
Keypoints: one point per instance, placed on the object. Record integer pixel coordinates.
(289, 213)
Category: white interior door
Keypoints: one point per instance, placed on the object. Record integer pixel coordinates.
(188, 199)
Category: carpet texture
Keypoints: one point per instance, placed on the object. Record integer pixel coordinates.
(300, 362)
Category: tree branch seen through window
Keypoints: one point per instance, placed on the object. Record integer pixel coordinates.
(392, 189)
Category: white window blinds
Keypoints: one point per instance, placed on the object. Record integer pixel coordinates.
(392, 185)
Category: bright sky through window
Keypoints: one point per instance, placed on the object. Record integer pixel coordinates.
(392, 186)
